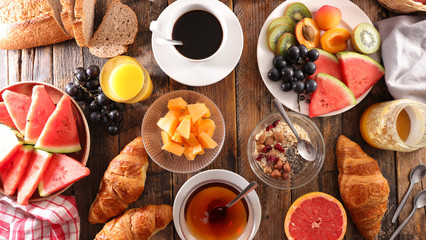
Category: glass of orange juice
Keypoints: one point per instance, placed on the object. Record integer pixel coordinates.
(124, 79)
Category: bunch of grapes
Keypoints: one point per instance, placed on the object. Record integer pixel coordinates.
(85, 89)
(294, 70)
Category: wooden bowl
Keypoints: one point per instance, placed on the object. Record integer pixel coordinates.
(82, 127)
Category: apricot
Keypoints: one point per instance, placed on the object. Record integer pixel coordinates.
(328, 17)
(335, 40)
(308, 33)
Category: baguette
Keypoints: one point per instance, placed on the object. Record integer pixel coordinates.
(84, 12)
(67, 15)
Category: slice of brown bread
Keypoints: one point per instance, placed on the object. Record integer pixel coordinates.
(67, 15)
(117, 30)
(84, 12)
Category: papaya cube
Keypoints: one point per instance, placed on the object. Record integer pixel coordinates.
(177, 138)
(165, 137)
(189, 153)
(206, 141)
(192, 140)
(174, 148)
(168, 124)
(174, 113)
(197, 111)
(184, 128)
(208, 126)
(198, 150)
(176, 104)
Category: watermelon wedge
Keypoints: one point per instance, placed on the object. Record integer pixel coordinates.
(40, 110)
(12, 172)
(60, 134)
(5, 117)
(38, 163)
(17, 105)
(360, 72)
(61, 172)
(10, 142)
(331, 95)
(327, 63)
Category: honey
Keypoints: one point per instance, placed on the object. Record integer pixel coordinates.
(203, 200)
(403, 125)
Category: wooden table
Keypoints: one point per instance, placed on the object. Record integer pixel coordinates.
(244, 101)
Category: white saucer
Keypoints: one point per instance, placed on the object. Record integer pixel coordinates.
(200, 73)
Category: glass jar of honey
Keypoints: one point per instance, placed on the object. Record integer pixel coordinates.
(398, 125)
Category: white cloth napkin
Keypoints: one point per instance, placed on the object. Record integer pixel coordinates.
(404, 56)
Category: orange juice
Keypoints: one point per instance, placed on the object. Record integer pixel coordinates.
(124, 79)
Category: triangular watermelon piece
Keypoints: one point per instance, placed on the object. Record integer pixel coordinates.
(40, 110)
(331, 95)
(5, 117)
(10, 142)
(60, 132)
(12, 172)
(327, 63)
(38, 163)
(360, 72)
(61, 172)
(17, 105)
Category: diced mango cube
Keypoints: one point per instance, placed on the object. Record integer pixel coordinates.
(177, 138)
(168, 124)
(192, 140)
(197, 111)
(176, 104)
(198, 150)
(206, 141)
(165, 137)
(174, 148)
(174, 113)
(184, 128)
(189, 153)
(208, 126)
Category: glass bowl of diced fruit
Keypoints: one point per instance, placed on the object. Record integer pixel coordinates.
(183, 131)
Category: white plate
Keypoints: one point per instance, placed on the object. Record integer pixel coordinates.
(352, 15)
(200, 73)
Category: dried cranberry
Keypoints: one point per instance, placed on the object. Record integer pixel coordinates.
(269, 127)
(279, 147)
(259, 157)
(274, 124)
(270, 159)
(267, 148)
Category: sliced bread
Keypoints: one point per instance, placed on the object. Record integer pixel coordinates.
(67, 15)
(84, 12)
(117, 30)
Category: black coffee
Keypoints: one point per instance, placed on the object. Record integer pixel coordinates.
(200, 33)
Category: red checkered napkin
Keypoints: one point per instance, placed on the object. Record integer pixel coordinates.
(54, 218)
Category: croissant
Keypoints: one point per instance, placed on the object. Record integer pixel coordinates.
(122, 183)
(137, 223)
(362, 186)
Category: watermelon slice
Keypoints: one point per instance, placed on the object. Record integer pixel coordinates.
(12, 172)
(360, 72)
(331, 95)
(60, 132)
(61, 172)
(40, 110)
(5, 117)
(327, 63)
(10, 142)
(38, 163)
(17, 105)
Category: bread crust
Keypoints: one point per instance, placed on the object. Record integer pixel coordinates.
(78, 23)
(67, 16)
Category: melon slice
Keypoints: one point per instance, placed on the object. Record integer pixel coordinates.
(360, 72)
(168, 124)
(208, 126)
(206, 141)
(184, 128)
(12, 172)
(5, 117)
(17, 105)
(189, 153)
(60, 173)
(198, 150)
(327, 63)
(177, 138)
(331, 95)
(197, 111)
(176, 104)
(173, 148)
(192, 140)
(38, 163)
(165, 137)
(60, 133)
(40, 110)
(10, 142)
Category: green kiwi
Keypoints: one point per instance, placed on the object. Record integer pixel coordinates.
(276, 32)
(281, 20)
(286, 41)
(365, 39)
(297, 11)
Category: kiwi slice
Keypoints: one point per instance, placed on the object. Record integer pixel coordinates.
(281, 20)
(297, 11)
(286, 41)
(365, 39)
(276, 32)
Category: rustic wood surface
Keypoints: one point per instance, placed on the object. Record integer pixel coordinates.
(242, 98)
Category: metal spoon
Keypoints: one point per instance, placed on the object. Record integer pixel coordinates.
(164, 41)
(305, 148)
(217, 214)
(419, 202)
(416, 175)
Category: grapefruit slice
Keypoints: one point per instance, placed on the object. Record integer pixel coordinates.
(315, 216)
(5, 117)
(12, 172)
(60, 133)
(40, 110)
(17, 105)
